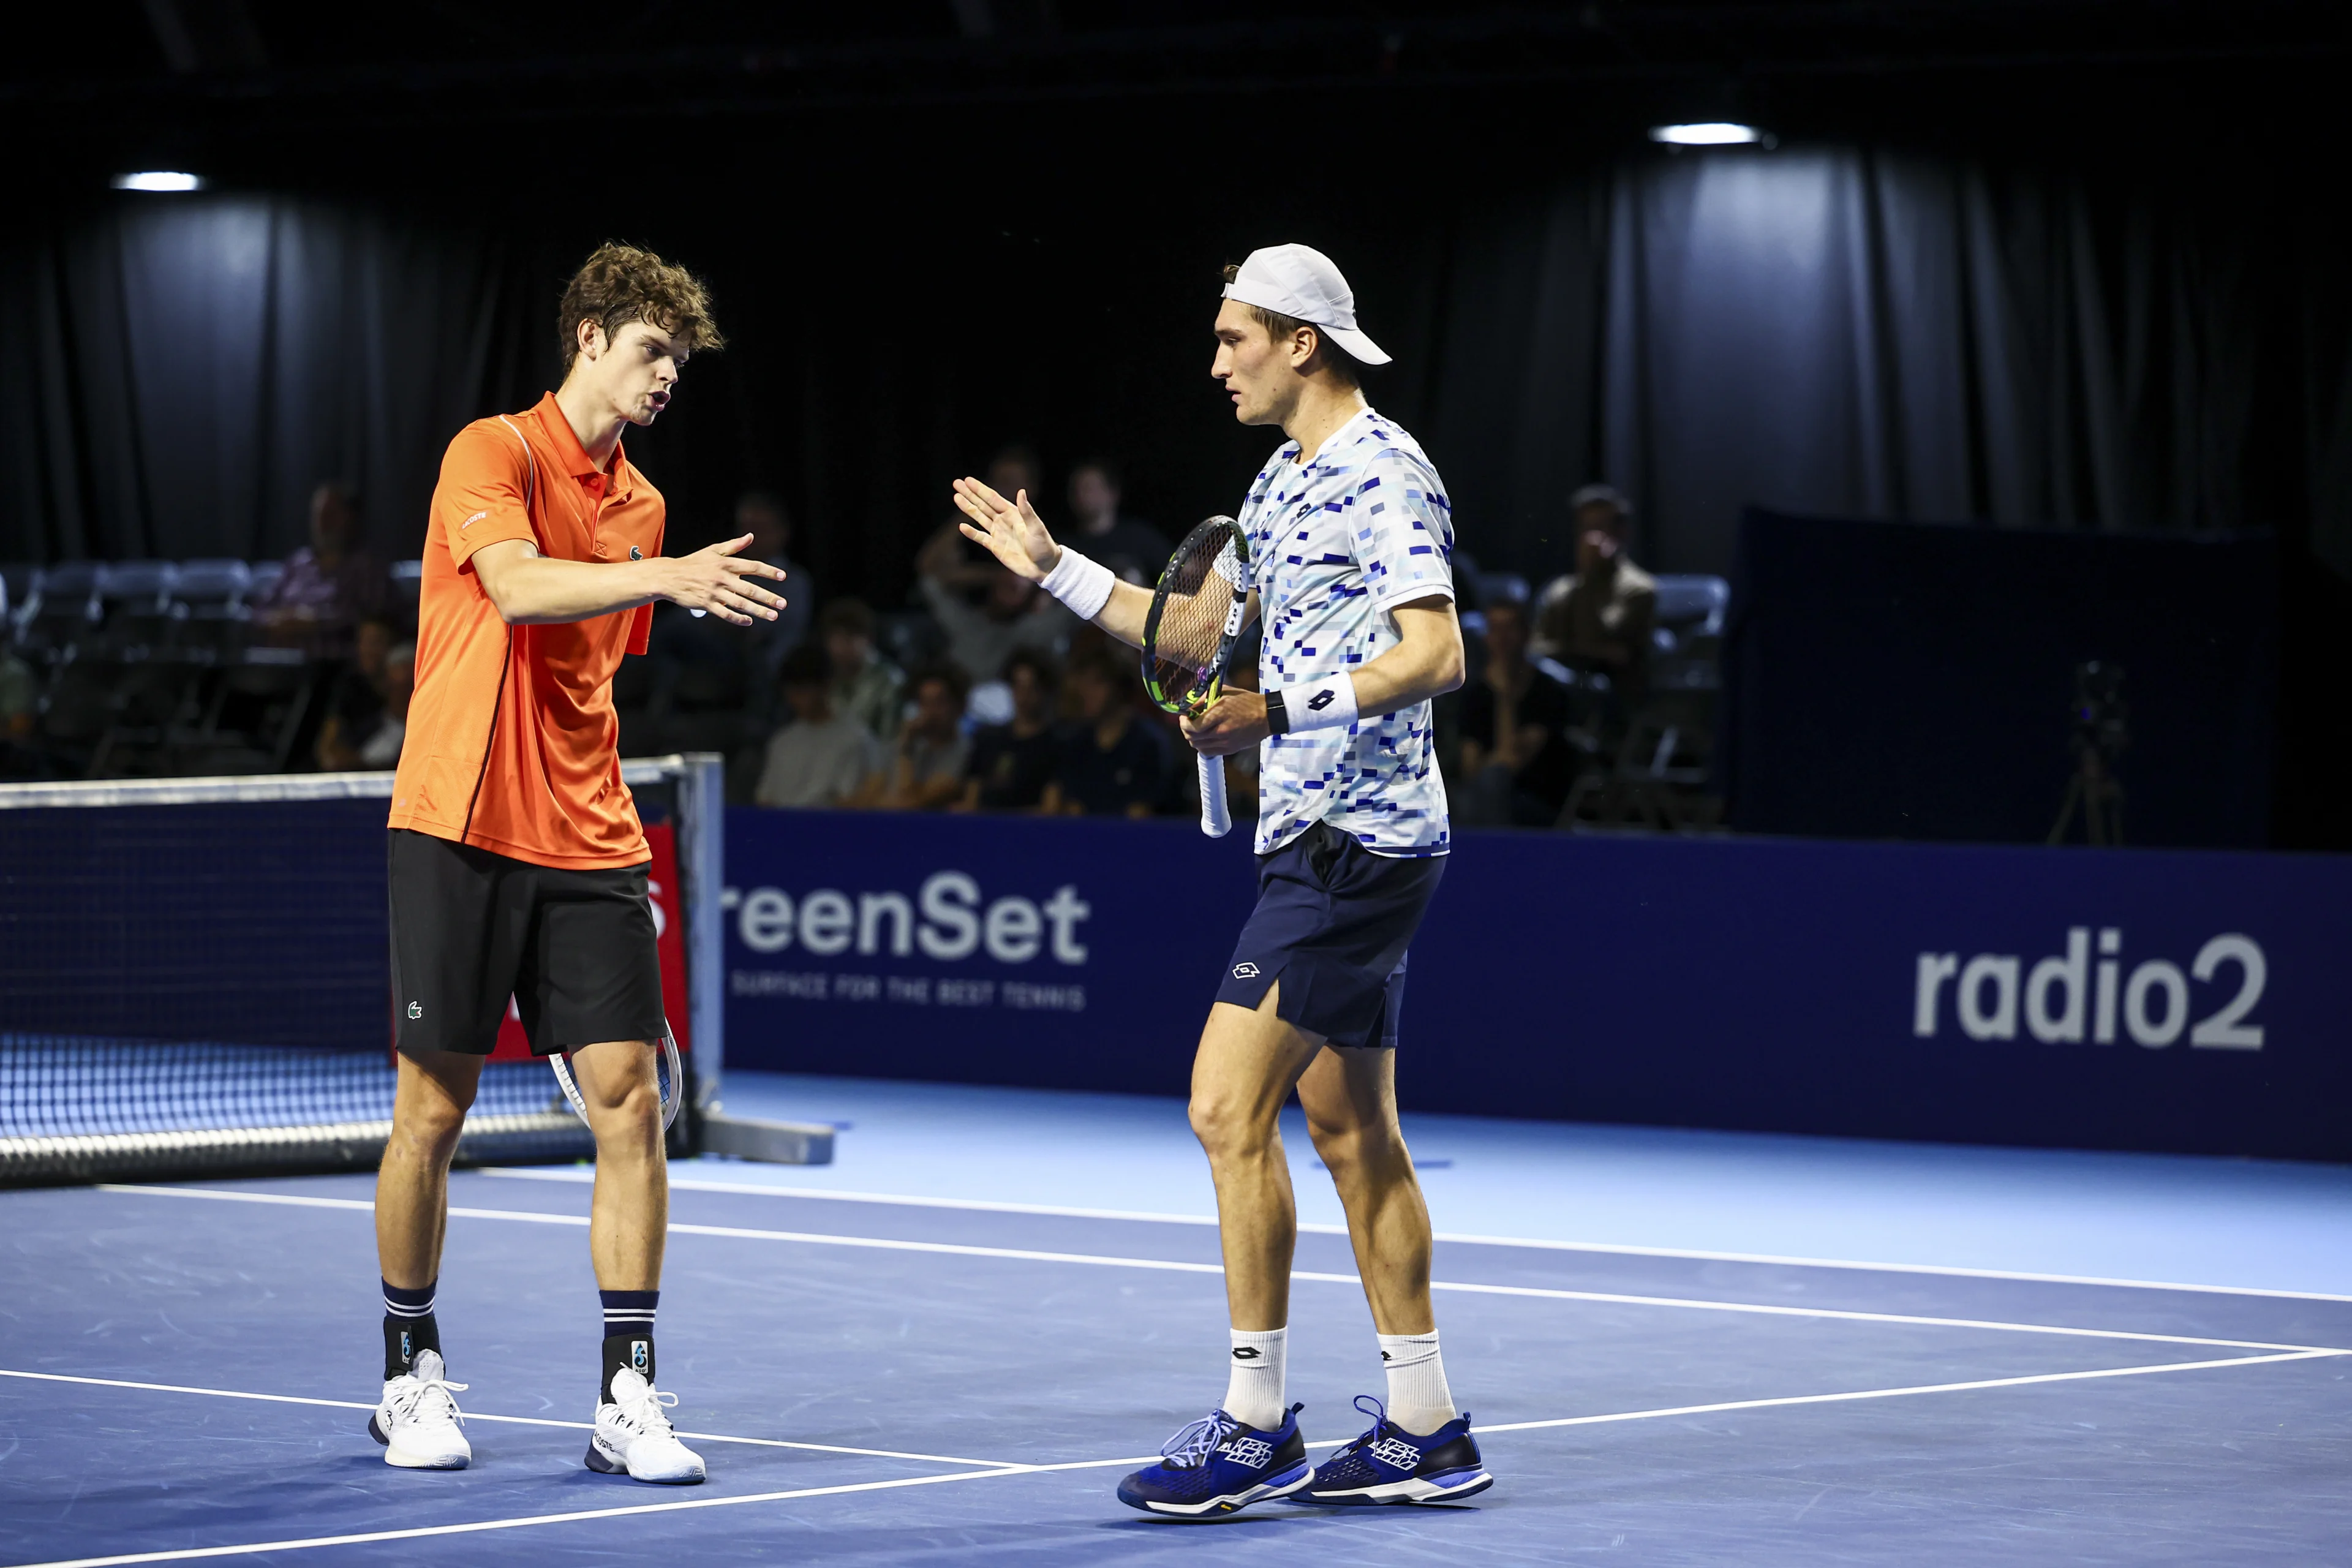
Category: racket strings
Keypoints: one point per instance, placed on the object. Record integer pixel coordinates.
(1199, 588)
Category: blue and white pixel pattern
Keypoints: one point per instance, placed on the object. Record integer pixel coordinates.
(1335, 545)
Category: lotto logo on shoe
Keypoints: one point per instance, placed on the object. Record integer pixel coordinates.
(2070, 999)
(1245, 971)
(1254, 1452)
(1395, 1453)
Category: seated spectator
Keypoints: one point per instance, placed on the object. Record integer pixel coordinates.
(1110, 764)
(1600, 617)
(823, 758)
(331, 583)
(924, 769)
(1012, 764)
(865, 686)
(382, 748)
(1516, 760)
(1015, 612)
(762, 515)
(1132, 548)
(355, 702)
(949, 558)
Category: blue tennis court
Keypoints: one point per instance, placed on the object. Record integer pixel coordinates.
(949, 1346)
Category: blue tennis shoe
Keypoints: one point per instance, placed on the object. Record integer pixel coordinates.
(1388, 1464)
(1219, 1465)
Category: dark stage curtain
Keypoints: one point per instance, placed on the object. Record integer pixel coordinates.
(180, 372)
(1853, 333)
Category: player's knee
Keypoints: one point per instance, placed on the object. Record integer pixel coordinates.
(1225, 1128)
(428, 1129)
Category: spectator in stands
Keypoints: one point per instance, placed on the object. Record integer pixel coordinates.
(1012, 764)
(1110, 765)
(382, 748)
(764, 516)
(1600, 617)
(865, 686)
(1014, 613)
(924, 769)
(355, 703)
(1516, 763)
(1132, 548)
(950, 559)
(823, 758)
(330, 584)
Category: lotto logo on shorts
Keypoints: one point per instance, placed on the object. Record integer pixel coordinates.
(1245, 972)
(1254, 1452)
(1395, 1455)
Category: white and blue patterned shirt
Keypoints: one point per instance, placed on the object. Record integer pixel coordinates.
(1335, 546)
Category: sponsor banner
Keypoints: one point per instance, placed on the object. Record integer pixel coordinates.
(2161, 1000)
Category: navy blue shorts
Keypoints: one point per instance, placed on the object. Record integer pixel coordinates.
(1332, 923)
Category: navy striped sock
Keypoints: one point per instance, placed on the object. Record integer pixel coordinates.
(628, 1336)
(408, 1326)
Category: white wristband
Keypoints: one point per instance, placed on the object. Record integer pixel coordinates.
(1083, 586)
(1327, 704)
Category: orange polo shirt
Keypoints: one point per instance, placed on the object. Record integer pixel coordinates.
(512, 743)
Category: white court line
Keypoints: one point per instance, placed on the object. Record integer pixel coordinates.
(696, 1184)
(959, 1249)
(1899, 1393)
(477, 1416)
(477, 1526)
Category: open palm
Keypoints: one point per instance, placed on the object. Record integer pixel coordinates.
(1011, 529)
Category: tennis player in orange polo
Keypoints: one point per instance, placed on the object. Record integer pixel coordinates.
(517, 864)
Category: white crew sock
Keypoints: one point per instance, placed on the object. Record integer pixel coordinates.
(1419, 1400)
(1253, 1387)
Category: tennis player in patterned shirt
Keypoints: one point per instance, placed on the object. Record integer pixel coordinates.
(1350, 544)
(517, 864)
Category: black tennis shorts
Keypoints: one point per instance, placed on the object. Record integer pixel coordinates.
(1332, 923)
(575, 949)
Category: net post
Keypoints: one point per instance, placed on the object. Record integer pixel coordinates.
(702, 808)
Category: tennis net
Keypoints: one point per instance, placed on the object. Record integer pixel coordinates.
(194, 977)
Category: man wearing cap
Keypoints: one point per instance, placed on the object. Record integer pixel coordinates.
(1350, 538)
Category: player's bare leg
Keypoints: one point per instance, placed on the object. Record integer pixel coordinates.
(417, 1420)
(1249, 1061)
(412, 1186)
(1350, 1098)
(627, 1229)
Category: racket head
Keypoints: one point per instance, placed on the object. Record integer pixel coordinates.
(1196, 621)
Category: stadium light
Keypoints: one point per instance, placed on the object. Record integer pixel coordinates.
(159, 180)
(1709, 133)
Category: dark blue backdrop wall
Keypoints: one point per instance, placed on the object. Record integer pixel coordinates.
(2136, 999)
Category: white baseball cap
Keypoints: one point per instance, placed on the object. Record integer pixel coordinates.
(1301, 283)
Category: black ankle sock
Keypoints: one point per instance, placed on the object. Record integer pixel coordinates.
(408, 1326)
(634, 1350)
(628, 1336)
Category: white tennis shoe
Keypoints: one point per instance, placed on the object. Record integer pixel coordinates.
(418, 1423)
(634, 1438)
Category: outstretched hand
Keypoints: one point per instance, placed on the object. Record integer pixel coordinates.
(1009, 529)
(716, 579)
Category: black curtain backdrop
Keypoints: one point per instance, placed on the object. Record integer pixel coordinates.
(1816, 331)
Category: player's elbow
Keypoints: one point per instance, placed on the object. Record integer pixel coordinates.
(1447, 668)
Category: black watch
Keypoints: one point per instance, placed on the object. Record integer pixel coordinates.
(1278, 717)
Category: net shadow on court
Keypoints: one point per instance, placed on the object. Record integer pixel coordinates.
(189, 1368)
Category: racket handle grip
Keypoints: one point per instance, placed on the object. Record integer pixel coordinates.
(1216, 816)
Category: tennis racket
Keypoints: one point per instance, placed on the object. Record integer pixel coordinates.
(1190, 636)
(671, 1078)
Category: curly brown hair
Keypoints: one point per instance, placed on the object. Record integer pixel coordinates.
(620, 284)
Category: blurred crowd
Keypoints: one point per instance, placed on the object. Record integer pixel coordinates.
(977, 693)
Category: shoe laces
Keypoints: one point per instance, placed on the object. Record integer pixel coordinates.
(427, 1399)
(1372, 1407)
(644, 1411)
(1192, 1447)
